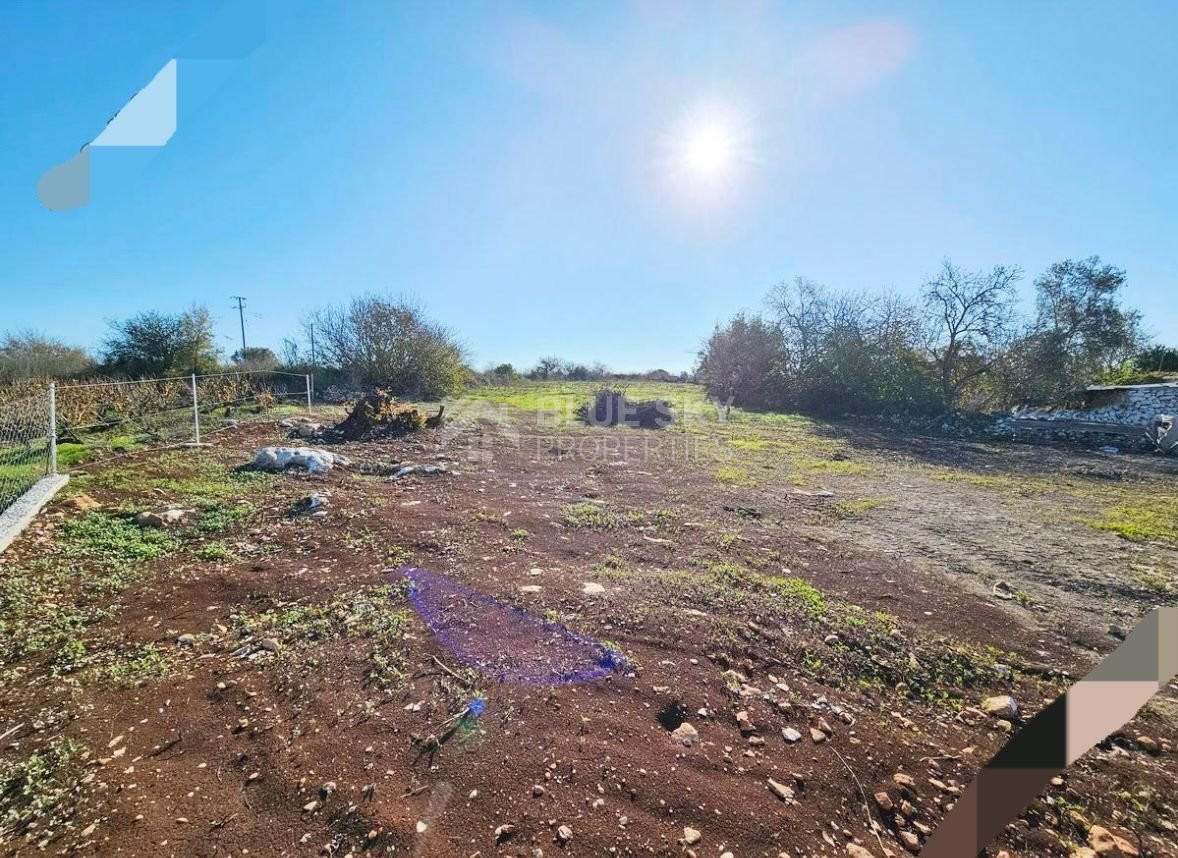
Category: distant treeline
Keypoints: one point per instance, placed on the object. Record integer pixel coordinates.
(370, 341)
(964, 345)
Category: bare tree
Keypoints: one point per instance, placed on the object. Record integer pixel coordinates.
(547, 367)
(390, 343)
(969, 318)
(30, 354)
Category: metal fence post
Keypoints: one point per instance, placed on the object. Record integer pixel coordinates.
(307, 378)
(195, 411)
(53, 429)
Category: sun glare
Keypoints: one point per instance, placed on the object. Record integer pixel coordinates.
(709, 151)
(707, 154)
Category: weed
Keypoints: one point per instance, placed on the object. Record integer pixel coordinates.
(115, 540)
(217, 516)
(800, 591)
(733, 476)
(723, 541)
(215, 551)
(589, 515)
(519, 535)
(832, 466)
(146, 662)
(1139, 524)
(397, 555)
(366, 615)
(40, 788)
(854, 508)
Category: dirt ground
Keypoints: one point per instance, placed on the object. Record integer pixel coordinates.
(256, 680)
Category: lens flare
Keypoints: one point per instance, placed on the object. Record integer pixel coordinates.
(707, 154)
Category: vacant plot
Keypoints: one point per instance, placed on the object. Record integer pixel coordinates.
(823, 604)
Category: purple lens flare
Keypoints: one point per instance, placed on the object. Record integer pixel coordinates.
(503, 641)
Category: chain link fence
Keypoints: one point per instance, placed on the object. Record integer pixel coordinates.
(92, 416)
(26, 453)
(159, 410)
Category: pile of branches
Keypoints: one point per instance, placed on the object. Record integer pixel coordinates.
(379, 413)
(613, 408)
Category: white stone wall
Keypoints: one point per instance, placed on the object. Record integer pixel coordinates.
(1135, 406)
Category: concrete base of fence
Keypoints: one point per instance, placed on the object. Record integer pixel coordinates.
(17, 517)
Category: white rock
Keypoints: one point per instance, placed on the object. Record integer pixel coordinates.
(685, 734)
(313, 459)
(165, 518)
(1001, 706)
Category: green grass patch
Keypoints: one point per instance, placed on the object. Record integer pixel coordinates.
(115, 540)
(48, 602)
(215, 551)
(216, 515)
(798, 590)
(589, 515)
(733, 476)
(832, 466)
(723, 541)
(855, 508)
(751, 444)
(613, 567)
(1138, 523)
(990, 481)
(140, 665)
(1151, 577)
(40, 789)
(518, 535)
(376, 615)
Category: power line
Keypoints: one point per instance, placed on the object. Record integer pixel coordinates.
(240, 299)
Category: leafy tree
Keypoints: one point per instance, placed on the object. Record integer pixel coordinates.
(969, 319)
(255, 358)
(1080, 330)
(390, 343)
(742, 362)
(155, 344)
(1157, 359)
(29, 354)
(849, 352)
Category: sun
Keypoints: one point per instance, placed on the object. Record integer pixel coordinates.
(707, 153)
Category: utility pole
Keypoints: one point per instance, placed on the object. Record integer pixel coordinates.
(241, 315)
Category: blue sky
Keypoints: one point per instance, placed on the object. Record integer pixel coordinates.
(519, 168)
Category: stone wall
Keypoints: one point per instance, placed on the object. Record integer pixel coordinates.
(1133, 406)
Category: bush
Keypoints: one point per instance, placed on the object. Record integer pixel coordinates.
(390, 344)
(153, 345)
